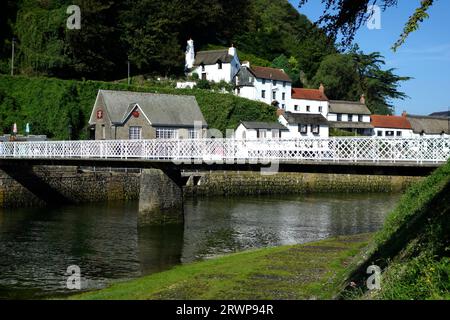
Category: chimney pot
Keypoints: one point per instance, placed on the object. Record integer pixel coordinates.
(322, 88)
(363, 99)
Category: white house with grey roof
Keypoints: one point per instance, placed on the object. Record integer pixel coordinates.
(304, 125)
(351, 116)
(123, 115)
(429, 126)
(212, 65)
(250, 130)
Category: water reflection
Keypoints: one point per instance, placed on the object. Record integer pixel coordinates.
(37, 245)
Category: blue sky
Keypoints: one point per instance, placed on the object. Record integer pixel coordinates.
(425, 56)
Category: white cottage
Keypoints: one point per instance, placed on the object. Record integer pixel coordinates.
(313, 101)
(351, 116)
(391, 126)
(213, 65)
(304, 125)
(426, 126)
(269, 85)
(248, 130)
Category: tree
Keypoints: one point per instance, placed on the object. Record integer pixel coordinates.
(347, 16)
(290, 66)
(338, 74)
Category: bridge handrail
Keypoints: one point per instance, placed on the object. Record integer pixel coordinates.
(335, 149)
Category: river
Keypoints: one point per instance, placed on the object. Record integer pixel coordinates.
(37, 245)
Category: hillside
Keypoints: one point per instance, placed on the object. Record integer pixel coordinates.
(413, 249)
(50, 105)
(152, 35)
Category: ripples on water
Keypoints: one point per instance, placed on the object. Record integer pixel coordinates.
(37, 245)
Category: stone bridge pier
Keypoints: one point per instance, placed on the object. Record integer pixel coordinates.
(161, 197)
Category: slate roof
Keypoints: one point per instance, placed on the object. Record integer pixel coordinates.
(305, 118)
(270, 73)
(160, 109)
(394, 122)
(429, 125)
(348, 107)
(211, 57)
(441, 114)
(263, 125)
(308, 94)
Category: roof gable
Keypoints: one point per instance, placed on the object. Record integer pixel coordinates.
(159, 109)
(270, 73)
(348, 107)
(212, 57)
(308, 94)
(394, 122)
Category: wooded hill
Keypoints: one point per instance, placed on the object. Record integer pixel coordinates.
(152, 35)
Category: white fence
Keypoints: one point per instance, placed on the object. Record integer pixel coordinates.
(370, 149)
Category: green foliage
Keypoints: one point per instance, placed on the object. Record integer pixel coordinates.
(347, 76)
(413, 247)
(290, 66)
(341, 133)
(50, 105)
(203, 84)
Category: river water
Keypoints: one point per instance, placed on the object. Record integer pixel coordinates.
(38, 245)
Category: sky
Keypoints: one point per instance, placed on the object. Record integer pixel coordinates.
(425, 56)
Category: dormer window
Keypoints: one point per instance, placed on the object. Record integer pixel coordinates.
(274, 82)
(219, 65)
(203, 67)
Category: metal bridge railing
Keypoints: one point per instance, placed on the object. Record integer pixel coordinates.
(365, 149)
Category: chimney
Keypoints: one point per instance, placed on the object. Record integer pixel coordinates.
(280, 112)
(246, 64)
(232, 51)
(363, 99)
(322, 88)
(190, 54)
(404, 114)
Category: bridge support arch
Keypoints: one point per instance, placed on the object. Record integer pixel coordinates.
(161, 197)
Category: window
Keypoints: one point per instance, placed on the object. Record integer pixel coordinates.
(219, 65)
(274, 82)
(399, 133)
(283, 106)
(262, 134)
(350, 118)
(263, 94)
(204, 76)
(276, 134)
(390, 133)
(303, 128)
(274, 95)
(103, 132)
(203, 67)
(320, 109)
(263, 81)
(135, 133)
(194, 134)
(308, 108)
(284, 84)
(283, 96)
(360, 118)
(250, 79)
(315, 129)
(380, 133)
(166, 133)
(296, 107)
(339, 117)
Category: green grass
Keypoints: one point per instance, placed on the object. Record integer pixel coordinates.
(310, 271)
(413, 248)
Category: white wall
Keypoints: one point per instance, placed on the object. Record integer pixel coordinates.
(269, 88)
(345, 118)
(213, 73)
(405, 133)
(242, 133)
(294, 133)
(314, 106)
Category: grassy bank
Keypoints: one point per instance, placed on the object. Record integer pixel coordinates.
(310, 271)
(413, 248)
(50, 105)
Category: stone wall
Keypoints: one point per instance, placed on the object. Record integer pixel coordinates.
(41, 185)
(251, 183)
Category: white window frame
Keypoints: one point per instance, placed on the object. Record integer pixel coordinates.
(315, 129)
(303, 128)
(164, 133)
(135, 133)
(193, 134)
